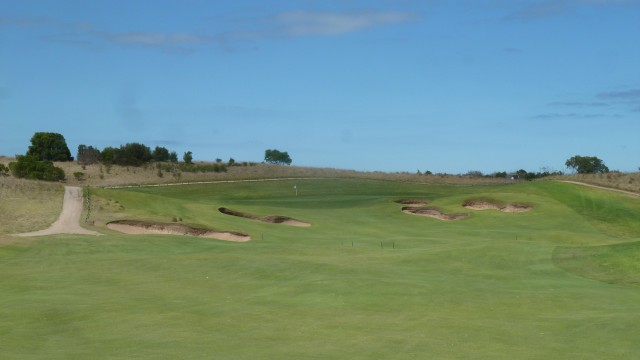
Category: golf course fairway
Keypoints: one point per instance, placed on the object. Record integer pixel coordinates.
(364, 281)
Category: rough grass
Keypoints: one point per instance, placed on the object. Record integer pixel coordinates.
(28, 205)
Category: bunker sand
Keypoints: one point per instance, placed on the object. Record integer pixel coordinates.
(273, 219)
(433, 213)
(480, 205)
(134, 227)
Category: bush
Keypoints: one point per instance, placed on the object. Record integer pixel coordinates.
(30, 167)
(79, 175)
(4, 171)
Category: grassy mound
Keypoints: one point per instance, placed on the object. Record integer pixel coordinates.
(616, 264)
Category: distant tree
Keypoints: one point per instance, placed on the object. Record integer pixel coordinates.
(109, 155)
(474, 173)
(499, 174)
(160, 154)
(586, 165)
(88, 155)
(31, 167)
(231, 162)
(133, 154)
(49, 146)
(173, 157)
(521, 174)
(273, 156)
(187, 157)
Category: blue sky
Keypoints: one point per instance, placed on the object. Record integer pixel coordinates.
(445, 86)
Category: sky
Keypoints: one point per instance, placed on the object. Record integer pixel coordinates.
(379, 85)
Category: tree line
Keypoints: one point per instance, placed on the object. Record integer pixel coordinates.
(47, 147)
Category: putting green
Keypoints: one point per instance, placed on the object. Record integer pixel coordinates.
(364, 281)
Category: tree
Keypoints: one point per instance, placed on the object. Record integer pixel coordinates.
(109, 155)
(273, 156)
(88, 155)
(187, 157)
(133, 154)
(160, 154)
(49, 146)
(587, 165)
(173, 157)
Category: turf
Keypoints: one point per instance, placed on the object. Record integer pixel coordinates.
(364, 281)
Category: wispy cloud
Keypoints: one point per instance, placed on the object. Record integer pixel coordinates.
(551, 8)
(611, 104)
(580, 104)
(633, 94)
(549, 116)
(318, 23)
(280, 25)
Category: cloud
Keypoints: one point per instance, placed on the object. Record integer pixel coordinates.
(633, 94)
(580, 104)
(550, 8)
(549, 116)
(511, 50)
(280, 25)
(318, 23)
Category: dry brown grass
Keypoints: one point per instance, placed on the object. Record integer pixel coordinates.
(27, 205)
(99, 175)
(620, 181)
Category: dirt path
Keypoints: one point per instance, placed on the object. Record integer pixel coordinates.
(69, 220)
(601, 187)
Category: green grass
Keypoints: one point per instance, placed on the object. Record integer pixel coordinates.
(492, 286)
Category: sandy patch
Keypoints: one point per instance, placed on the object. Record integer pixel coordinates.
(433, 213)
(69, 220)
(147, 227)
(491, 205)
(273, 219)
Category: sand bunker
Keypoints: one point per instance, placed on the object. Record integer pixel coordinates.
(147, 227)
(273, 219)
(495, 205)
(412, 202)
(433, 213)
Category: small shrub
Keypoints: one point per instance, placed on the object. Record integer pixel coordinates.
(79, 175)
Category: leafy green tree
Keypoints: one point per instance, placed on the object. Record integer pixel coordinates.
(173, 157)
(49, 146)
(188, 157)
(273, 156)
(160, 154)
(133, 154)
(109, 154)
(88, 155)
(31, 167)
(586, 165)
